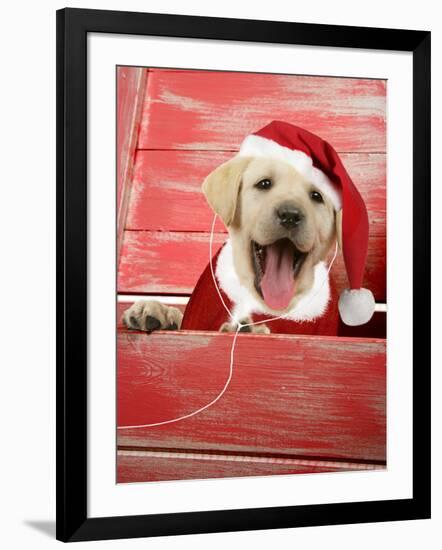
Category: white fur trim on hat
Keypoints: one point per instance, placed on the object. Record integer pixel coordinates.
(356, 307)
(258, 146)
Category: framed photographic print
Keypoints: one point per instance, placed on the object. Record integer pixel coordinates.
(243, 274)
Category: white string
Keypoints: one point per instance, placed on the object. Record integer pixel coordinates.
(232, 349)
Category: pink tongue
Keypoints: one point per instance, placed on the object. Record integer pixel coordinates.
(277, 283)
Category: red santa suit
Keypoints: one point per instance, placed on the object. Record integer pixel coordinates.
(316, 314)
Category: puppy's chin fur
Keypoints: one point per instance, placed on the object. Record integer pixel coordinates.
(237, 282)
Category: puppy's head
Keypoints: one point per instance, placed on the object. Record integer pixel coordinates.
(280, 226)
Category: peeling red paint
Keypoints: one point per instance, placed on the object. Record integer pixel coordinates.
(302, 395)
(215, 110)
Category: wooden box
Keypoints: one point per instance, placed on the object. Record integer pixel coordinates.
(296, 404)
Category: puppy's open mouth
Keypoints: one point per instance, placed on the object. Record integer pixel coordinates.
(277, 267)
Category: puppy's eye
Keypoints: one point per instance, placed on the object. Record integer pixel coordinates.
(315, 196)
(264, 184)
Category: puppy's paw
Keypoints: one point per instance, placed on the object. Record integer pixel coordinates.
(150, 315)
(227, 327)
(260, 329)
(253, 329)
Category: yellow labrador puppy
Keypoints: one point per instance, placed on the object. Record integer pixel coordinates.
(283, 217)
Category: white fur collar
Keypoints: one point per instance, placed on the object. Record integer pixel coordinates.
(312, 306)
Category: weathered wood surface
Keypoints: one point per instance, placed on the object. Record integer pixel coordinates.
(130, 95)
(137, 466)
(204, 110)
(163, 262)
(156, 262)
(166, 191)
(303, 396)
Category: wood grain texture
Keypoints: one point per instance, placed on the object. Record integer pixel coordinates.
(204, 110)
(163, 262)
(166, 191)
(170, 263)
(130, 96)
(304, 396)
(139, 466)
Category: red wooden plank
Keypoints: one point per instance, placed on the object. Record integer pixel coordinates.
(171, 263)
(139, 466)
(216, 110)
(166, 192)
(303, 396)
(162, 262)
(130, 96)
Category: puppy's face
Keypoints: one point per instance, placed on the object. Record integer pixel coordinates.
(280, 226)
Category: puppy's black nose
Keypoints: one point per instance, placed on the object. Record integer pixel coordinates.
(289, 216)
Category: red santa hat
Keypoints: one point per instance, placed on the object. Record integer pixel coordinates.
(317, 161)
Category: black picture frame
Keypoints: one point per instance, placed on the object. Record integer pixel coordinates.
(73, 25)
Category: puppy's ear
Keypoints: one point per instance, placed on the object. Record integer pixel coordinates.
(339, 228)
(221, 188)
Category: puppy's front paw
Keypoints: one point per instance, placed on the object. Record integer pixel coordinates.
(150, 315)
(252, 329)
(260, 329)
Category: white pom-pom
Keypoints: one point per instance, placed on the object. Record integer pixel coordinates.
(356, 307)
